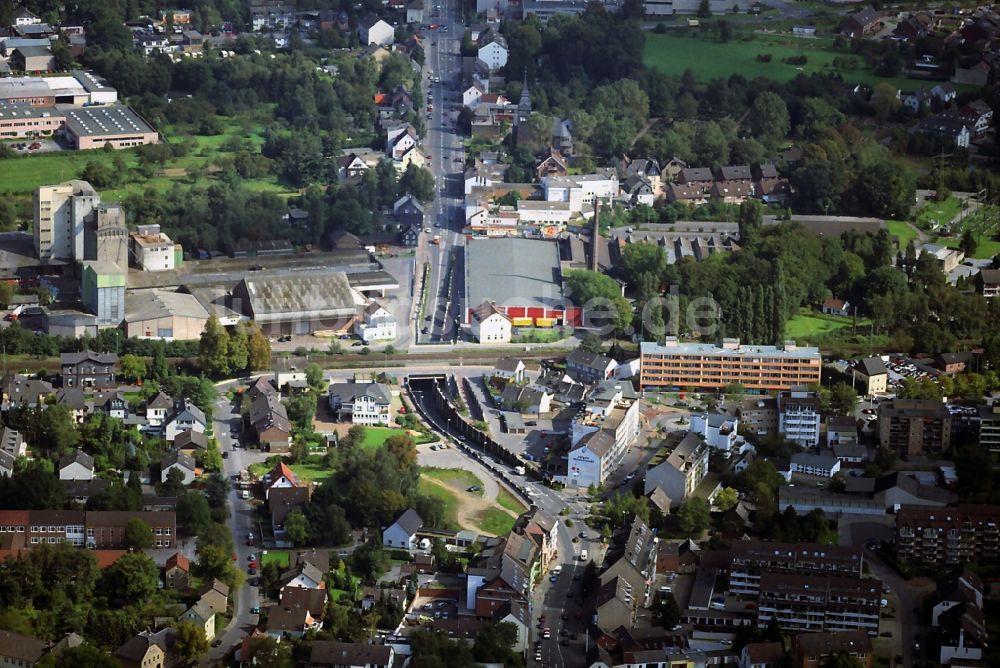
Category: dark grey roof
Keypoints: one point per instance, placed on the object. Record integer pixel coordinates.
(348, 392)
(871, 366)
(410, 522)
(88, 356)
(512, 271)
(108, 120)
(78, 457)
(178, 457)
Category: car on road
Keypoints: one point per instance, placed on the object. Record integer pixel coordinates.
(474, 488)
(538, 657)
(530, 423)
(217, 642)
(546, 633)
(252, 571)
(255, 610)
(285, 338)
(553, 578)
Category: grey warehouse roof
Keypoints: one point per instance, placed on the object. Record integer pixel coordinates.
(151, 304)
(89, 121)
(513, 272)
(316, 295)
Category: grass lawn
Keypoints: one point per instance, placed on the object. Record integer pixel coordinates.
(455, 477)
(376, 436)
(903, 231)
(985, 246)
(311, 472)
(510, 502)
(541, 334)
(808, 324)
(939, 213)
(710, 59)
(279, 557)
(448, 498)
(495, 521)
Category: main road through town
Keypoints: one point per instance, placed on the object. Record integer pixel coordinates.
(441, 246)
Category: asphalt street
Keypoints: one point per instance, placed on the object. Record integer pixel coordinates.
(442, 74)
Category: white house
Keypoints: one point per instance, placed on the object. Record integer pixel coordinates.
(280, 477)
(489, 325)
(718, 430)
(472, 94)
(305, 576)
(180, 461)
(157, 409)
(186, 416)
(77, 466)
(509, 369)
(362, 403)
(375, 324)
(403, 532)
(588, 459)
(493, 52)
(373, 30)
(823, 466)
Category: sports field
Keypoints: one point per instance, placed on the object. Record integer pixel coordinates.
(711, 59)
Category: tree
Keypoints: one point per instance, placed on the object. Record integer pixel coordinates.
(769, 120)
(193, 512)
(726, 498)
(968, 243)
(751, 217)
(297, 528)
(132, 367)
(591, 342)
(138, 534)
(843, 399)
(213, 348)
(494, 643)
(239, 349)
(314, 377)
(886, 101)
(844, 660)
(694, 516)
(665, 610)
(159, 371)
(704, 9)
(417, 181)
(81, 656)
(259, 349)
(189, 641)
(6, 293)
(133, 577)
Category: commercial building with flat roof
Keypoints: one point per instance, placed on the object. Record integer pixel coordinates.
(93, 127)
(24, 120)
(521, 278)
(674, 365)
(78, 88)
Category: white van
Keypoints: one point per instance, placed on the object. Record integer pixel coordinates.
(246, 494)
(583, 555)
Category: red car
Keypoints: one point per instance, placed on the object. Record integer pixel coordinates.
(235, 558)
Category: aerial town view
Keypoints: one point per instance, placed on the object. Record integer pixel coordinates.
(499, 333)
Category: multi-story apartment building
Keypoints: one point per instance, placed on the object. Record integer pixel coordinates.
(749, 560)
(602, 433)
(947, 535)
(760, 415)
(675, 366)
(914, 426)
(798, 417)
(679, 470)
(815, 603)
(989, 427)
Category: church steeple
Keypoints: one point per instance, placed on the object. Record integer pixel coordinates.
(524, 106)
